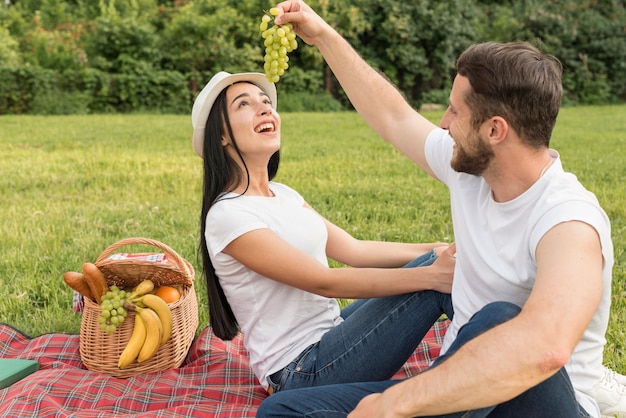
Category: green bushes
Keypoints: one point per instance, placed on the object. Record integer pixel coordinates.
(41, 91)
(589, 38)
(155, 55)
(308, 102)
(36, 90)
(19, 87)
(9, 54)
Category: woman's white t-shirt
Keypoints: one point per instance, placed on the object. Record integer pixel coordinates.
(277, 321)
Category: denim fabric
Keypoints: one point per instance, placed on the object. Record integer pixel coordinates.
(375, 339)
(552, 398)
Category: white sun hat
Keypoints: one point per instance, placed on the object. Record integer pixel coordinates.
(204, 102)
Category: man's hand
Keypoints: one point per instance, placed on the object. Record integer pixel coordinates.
(375, 405)
(369, 407)
(307, 24)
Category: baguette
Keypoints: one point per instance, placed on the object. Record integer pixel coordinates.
(96, 281)
(78, 282)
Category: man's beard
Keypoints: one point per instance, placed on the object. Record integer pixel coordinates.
(474, 159)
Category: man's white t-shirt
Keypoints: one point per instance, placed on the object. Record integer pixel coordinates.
(278, 321)
(496, 245)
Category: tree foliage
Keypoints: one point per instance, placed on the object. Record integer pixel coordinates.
(130, 55)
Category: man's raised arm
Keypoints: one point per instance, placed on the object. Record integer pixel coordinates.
(373, 96)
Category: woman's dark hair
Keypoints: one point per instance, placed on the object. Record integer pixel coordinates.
(221, 174)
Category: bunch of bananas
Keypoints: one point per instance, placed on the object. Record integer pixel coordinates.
(153, 325)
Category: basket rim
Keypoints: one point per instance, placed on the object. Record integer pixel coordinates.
(183, 265)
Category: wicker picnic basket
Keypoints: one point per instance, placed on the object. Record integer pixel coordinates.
(100, 351)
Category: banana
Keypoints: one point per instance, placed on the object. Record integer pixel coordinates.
(154, 329)
(135, 342)
(163, 311)
(145, 286)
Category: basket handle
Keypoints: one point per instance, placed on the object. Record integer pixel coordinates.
(178, 261)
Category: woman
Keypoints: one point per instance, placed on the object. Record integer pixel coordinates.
(265, 250)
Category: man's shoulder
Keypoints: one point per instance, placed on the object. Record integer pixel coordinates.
(565, 186)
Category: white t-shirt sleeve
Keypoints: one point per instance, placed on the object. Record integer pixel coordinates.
(577, 210)
(232, 217)
(438, 151)
(225, 223)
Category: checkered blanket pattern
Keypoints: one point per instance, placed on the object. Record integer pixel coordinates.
(215, 380)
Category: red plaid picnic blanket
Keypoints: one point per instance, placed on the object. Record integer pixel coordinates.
(214, 380)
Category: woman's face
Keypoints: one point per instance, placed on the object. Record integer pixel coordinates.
(255, 124)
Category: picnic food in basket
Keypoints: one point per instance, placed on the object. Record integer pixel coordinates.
(153, 323)
(152, 328)
(152, 302)
(133, 330)
(113, 310)
(95, 280)
(168, 293)
(78, 282)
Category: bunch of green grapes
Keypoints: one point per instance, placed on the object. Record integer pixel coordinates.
(112, 308)
(279, 40)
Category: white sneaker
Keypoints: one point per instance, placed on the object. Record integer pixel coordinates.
(614, 375)
(611, 394)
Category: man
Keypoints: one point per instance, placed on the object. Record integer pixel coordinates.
(534, 256)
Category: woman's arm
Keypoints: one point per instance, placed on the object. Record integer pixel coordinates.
(269, 255)
(346, 249)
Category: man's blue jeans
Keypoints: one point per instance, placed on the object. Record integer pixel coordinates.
(552, 398)
(375, 339)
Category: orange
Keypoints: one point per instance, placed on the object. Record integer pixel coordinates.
(168, 293)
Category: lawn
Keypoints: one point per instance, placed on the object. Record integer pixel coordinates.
(72, 185)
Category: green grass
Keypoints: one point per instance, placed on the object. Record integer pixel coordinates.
(72, 185)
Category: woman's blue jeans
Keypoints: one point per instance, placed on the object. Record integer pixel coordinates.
(552, 398)
(375, 339)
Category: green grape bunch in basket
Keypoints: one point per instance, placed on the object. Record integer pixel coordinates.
(279, 41)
